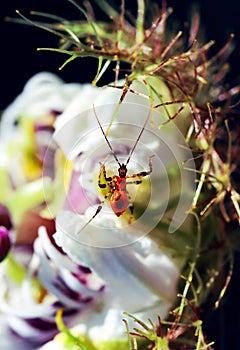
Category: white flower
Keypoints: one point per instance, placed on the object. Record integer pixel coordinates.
(79, 136)
(41, 283)
(125, 269)
(139, 277)
(27, 153)
(44, 93)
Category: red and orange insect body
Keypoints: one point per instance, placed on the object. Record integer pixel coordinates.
(119, 201)
(114, 188)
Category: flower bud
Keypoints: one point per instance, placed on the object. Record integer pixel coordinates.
(5, 242)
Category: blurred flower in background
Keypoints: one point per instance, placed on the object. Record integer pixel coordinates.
(26, 130)
(71, 267)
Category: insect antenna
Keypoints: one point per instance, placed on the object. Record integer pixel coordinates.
(109, 144)
(139, 136)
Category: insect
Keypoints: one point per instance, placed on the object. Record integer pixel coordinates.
(114, 187)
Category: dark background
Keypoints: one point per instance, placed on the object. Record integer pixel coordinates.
(19, 60)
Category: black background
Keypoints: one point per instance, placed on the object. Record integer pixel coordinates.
(19, 60)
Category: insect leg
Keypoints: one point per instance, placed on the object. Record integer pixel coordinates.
(105, 183)
(142, 173)
(103, 177)
(99, 208)
(134, 182)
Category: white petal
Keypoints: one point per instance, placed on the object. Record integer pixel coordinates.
(11, 342)
(43, 93)
(78, 133)
(137, 276)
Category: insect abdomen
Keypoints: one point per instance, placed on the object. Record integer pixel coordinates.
(119, 202)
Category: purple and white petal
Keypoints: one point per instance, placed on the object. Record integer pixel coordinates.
(143, 273)
(63, 284)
